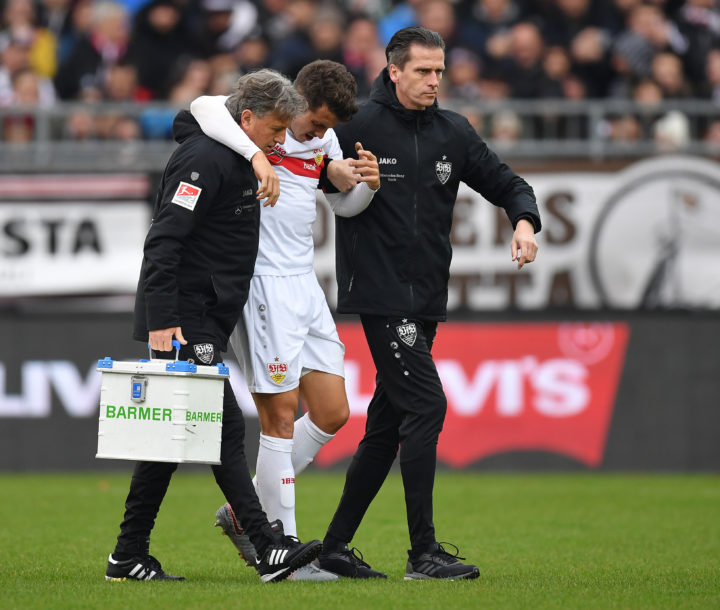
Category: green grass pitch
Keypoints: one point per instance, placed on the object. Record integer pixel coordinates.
(540, 541)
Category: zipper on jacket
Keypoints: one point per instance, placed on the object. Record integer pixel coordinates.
(415, 201)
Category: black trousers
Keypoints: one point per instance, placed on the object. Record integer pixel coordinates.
(150, 480)
(406, 411)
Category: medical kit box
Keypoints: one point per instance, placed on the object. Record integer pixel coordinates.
(161, 411)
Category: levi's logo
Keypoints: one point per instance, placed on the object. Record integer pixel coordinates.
(187, 195)
(510, 387)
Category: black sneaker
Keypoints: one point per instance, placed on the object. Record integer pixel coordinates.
(438, 563)
(348, 564)
(137, 568)
(285, 555)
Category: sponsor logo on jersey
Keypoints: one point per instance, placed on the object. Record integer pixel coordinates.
(443, 169)
(387, 161)
(407, 331)
(204, 351)
(247, 192)
(187, 195)
(277, 370)
(277, 154)
(319, 155)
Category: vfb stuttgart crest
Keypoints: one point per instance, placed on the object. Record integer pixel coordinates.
(443, 169)
(204, 352)
(319, 155)
(407, 332)
(277, 370)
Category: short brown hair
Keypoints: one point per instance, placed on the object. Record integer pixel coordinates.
(397, 51)
(325, 82)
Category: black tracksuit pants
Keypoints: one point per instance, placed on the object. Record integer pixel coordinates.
(150, 480)
(407, 410)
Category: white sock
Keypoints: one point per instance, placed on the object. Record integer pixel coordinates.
(275, 481)
(308, 439)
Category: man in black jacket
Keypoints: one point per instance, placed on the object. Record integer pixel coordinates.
(198, 259)
(393, 266)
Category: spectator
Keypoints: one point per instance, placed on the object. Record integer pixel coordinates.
(667, 72)
(289, 54)
(525, 74)
(625, 129)
(506, 128)
(647, 93)
(56, 16)
(121, 84)
(105, 44)
(194, 79)
(224, 25)
(251, 54)
(159, 40)
(699, 23)
(710, 88)
(493, 20)
(648, 32)
(27, 93)
(15, 60)
(557, 65)
(326, 32)
(462, 81)
(402, 15)
(376, 63)
(360, 42)
(439, 16)
(712, 136)
(20, 24)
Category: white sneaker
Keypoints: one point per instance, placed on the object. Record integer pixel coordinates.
(313, 573)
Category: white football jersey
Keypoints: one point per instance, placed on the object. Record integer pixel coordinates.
(286, 239)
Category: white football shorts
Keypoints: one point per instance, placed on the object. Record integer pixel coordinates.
(286, 331)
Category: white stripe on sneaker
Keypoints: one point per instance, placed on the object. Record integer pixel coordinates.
(136, 569)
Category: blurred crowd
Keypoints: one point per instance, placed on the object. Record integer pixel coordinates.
(140, 51)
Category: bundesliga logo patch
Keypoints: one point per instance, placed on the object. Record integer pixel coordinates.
(277, 370)
(187, 195)
(407, 332)
(204, 352)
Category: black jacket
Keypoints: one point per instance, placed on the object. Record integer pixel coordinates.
(198, 262)
(394, 258)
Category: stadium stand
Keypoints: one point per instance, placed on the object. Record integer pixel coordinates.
(95, 84)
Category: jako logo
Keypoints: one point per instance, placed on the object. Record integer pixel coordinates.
(387, 161)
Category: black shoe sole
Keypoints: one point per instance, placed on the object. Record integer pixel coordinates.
(419, 576)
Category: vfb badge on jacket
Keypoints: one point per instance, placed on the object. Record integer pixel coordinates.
(443, 169)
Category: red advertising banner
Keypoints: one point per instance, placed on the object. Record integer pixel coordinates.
(510, 387)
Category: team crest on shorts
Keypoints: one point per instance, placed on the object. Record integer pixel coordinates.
(443, 169)
(407, 331)
(277, 370)
(205, 352)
